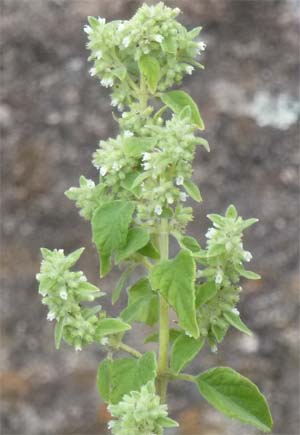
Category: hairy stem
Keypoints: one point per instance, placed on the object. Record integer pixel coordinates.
(130, 350)
(163, 319)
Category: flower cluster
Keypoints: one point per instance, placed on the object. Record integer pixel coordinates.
(63, 292)
(154, 31)
(223, 260)
(140, 413)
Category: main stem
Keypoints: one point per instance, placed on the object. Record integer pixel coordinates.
(163, 319)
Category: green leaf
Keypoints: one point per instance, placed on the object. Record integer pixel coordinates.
(193, 190)
(235, 396)
(120, 72)
(248, 222)
(219, 332)
(184, 350)
(189, 243)
(110, 326)
(58, 333)
(142, 304)
(177, 100)
(103, 379)
(72, 258)
(137, 238)
(175, 281)
(120, 284)
(139, 179)
(167, 422)
(204, 143)
(216, 219)
(105, 264)
(236, 322)
(205, 292)
(231, 212)
(194, 32)
(247, 273)
(150, 68)
(125, 375)
(136, 146)
(185, 113)
(153, 338)
(110, 225)
(150, 251)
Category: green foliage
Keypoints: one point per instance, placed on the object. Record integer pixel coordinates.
(235, 396)
(144, 180)
(175, 281)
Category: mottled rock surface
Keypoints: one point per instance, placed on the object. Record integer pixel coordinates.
(52, 115)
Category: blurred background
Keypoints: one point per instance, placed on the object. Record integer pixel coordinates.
(52, 115)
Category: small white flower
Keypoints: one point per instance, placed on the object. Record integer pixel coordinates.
(214, 349)
(219, 277)
(247, 256)
(177, 11)
(170, 199)
(158, 38)
(116, 166)
(158, 210)
(179, 180)
(110, 424)
(63, 294)
(188, 334)
(101, 20)
(90, 184)
(210, 233)
(104, 341)
(128, 133)
(50, 316)
(78, 348)
(182, 196)
(146, 166)
(114, 102)
(107, 82)
(120, 27)
(92, 72)
(189, 69)
(82, 278)
(198, 274)
(99, 54)
(235, 311)
(126, 41)
(103, 170)
(202, 46)
(146, 156)
(87, 29)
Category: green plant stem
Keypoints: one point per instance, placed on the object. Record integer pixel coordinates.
(130, 350)
(163, 320)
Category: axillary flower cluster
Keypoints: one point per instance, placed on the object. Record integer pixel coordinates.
(137, 203)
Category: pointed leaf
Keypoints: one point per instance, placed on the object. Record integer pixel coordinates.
(110, 326)
(189, 243)
(58, 333)
(235, 396)
(205, 292)
(137, 238)
(150, 68)
(177, 100)
(193, 190)
(175, 281)
(231, 212)
(247, 273)
(184, 350)
(236, 322)
(150, 251)
(104, 379)
(120, 284)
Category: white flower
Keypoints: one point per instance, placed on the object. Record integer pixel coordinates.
(146, 156)
(107, 82)
(170, 198)
(90, 184)
(146, 166)
(78, 348)
(214, 349)
(50, 316)
(210, 233)
(87, 29)
(116, 166)
(114, 102)
(182, 196)
(202, 46)
(177, 11)
(103, 170)
(247, 256)
(120, 27)
(188, 334)
(219, 277)
(126, 41)
(189, 69)
(99, 54)
(158, 210)
(235, 311)
(179, 180)
(104, 341)
(158, 38)
(128, 133)
(101, 20)
(63, 294)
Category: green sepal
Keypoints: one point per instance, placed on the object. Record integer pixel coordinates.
(193, 190)
(235, 321)
(136, 146)
(109, 326)
(58, 333)
(150, 68)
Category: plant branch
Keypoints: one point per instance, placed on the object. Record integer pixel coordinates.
(129, 349)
